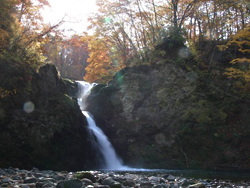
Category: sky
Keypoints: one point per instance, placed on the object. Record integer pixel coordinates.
(75, 12)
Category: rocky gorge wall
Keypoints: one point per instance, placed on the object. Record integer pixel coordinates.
(50, 132)
(148, 114)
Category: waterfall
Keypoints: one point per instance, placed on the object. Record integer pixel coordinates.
(112, 161)
(107, 150)
(83, 91)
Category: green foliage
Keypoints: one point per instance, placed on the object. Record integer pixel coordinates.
(193, 51)
(81, 175)
(18, 65)
(205, 112)
(176, 36)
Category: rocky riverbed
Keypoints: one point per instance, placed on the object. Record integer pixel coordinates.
(35, 178)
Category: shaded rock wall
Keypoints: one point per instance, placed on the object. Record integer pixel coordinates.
(141, 110)
(53, 135)
(164, 116)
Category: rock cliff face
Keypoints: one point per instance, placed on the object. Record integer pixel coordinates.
(159, 117)
(42, 126)
(141, 111)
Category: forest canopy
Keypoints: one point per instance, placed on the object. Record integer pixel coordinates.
(123, 33)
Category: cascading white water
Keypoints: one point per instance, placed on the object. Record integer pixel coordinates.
(107, 150)
(83, 91)
(112, 162)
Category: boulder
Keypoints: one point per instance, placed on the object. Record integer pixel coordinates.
(140, 110)
(69, 184)
(111, 183)
(88, 175)
(45, 127)
(197, 185)
(165, 115)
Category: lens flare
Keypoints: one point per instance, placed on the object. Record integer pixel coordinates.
(107, 20)
(28, 107)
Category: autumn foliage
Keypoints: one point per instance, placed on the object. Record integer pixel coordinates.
(125, 33)
(240, 68)
(21, 43)
(135, 28)
(103, 60)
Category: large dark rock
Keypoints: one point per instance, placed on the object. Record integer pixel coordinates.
(43, 126)
(164, 116)
(140, 110)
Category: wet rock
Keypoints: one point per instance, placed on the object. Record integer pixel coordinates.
(119, 179)
(129, 183)
(87, 181)
(59, 177)
(108, 181)
(47, 172)
(161, 186)
(111, 183)
(137, 180)
(29, 185)
(34, 169)
(162, 180)
(146, 185)
(90, 186)
(69, 184)
(101, 186)
(81, 175)
(22, 175)
(37, 175)
(30, 180)
(16, 177)
(40, 184)
(24, 186)
(197, 185)
(116, 185)
(6, 180)
(4, 185)
(170, 178)
(48, 185)
(43, 182)
(154, 179)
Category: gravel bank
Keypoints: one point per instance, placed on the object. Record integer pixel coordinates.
(35, 178)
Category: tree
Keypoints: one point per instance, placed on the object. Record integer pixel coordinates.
(20, 43)
(69, 55)
(240, 66)
(103, 60)
(6, 22)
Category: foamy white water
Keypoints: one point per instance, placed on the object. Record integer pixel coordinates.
(83, 91)
(112, 161)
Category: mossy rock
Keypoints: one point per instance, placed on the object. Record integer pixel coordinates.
(82, 175)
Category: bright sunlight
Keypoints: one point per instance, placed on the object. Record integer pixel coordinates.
(74, 12)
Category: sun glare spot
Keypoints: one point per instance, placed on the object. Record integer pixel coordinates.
(28, 107)
(75, 13)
